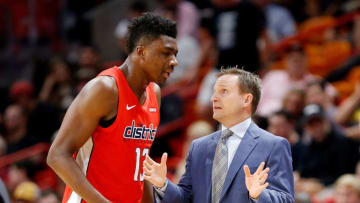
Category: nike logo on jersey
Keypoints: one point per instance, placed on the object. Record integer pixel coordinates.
(129, 107)
(152, 109)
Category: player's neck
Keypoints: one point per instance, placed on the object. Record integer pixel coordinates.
(134, 78)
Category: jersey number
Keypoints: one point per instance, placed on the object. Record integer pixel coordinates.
(138, 153)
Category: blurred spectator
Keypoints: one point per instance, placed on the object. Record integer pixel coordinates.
(236, 35)
(340, 72)
(347, 189)
(89, 58)
(23, 93)
(281, 124)
(277, 83)
(57, 88)
(26, 192)
(325, 49)
(19, 172)
(16, 134)
(184, 13)
(307, 189)
(42, 118)
(279, 21)
(89, 65)
(345, 114)
(293, 103)
(316, 94)
(121, 31)
(49, 196)
(329, 154)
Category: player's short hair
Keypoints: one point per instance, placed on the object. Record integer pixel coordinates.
(150, 26)
(248, 83)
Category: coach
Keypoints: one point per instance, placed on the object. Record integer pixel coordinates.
(241, 163)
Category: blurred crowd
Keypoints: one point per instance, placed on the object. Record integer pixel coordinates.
(307, 53)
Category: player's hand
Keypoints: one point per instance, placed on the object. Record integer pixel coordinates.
(154, 172)
(255, 183)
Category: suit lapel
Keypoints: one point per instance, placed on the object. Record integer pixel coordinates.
(247, 144)
(209, 162)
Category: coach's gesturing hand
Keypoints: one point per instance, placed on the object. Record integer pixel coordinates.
(255, 183)
(154, 172)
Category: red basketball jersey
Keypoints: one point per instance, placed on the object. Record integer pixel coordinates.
(112, 157)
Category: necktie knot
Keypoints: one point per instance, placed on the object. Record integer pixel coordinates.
(226, 134)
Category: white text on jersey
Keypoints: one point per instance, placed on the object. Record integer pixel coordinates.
(143, 133)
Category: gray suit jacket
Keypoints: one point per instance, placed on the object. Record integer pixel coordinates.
(256, 146)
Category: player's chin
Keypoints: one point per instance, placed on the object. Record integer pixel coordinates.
(161, 82)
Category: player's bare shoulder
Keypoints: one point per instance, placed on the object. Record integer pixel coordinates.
(103, 86)
(101, 92)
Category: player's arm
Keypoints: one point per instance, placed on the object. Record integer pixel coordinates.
(148, 194)
(97, 100)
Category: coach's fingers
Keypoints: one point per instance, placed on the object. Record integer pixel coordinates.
(148, 178)
(265, 171)
(264, 186)
(247, 171)
(147, 171)
(263, 178)
(149, 160)
(260, 168)
(163, 159)
(147, 165)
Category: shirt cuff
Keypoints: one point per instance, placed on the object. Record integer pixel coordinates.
(161, 191)
(252, 200)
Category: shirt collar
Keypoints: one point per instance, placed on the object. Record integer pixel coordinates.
(240, 128)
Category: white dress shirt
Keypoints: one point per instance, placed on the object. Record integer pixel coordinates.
(233, 142)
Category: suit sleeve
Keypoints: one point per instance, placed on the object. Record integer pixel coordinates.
(181, 193)
(280, 179)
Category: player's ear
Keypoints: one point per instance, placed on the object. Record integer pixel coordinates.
(140, 51)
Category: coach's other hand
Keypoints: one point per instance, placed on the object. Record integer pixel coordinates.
(154, 172)
(256, 183)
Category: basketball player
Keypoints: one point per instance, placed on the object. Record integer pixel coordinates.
(110, 126)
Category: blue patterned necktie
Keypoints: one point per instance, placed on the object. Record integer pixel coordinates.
(220, 166)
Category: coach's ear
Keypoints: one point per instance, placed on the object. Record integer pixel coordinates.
(248, 98)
